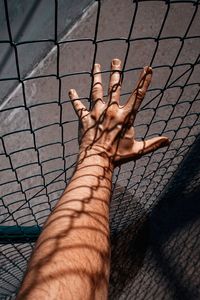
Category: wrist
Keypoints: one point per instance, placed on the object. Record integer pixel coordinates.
(94, 156)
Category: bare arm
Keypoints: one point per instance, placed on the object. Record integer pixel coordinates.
(71, 259)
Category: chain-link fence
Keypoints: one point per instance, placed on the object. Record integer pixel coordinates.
(154, 214)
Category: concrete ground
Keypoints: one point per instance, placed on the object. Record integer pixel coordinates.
(35, 159)
(23, 15)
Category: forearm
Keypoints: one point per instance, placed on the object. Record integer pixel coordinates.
(72, 256)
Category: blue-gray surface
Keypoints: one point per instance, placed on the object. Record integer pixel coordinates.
(35, 19)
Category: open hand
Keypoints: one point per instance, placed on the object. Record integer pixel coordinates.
(108, 127)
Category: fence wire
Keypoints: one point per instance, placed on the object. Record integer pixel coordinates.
(154, 215)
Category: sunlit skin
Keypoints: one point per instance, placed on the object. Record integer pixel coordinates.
(71, 259)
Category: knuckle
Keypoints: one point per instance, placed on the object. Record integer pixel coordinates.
(140, 93)
(115, 87)
(112, 112)
(95, 89)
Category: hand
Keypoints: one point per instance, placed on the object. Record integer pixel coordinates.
(108, 127)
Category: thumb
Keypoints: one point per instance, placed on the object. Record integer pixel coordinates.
(147, 146)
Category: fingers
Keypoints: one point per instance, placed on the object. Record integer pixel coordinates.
(97, 90)
(138, 94)
(144, 147)
(79, 107)
(115, 81)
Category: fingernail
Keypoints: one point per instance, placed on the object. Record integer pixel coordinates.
(148, 70)
(166, 142)
(71, 92)
(116, 62)
(98, 66)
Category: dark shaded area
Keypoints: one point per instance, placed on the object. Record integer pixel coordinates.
(178, 214)
(171, 236)
(128, 252)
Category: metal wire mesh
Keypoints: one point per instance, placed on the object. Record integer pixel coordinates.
(38, 149)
